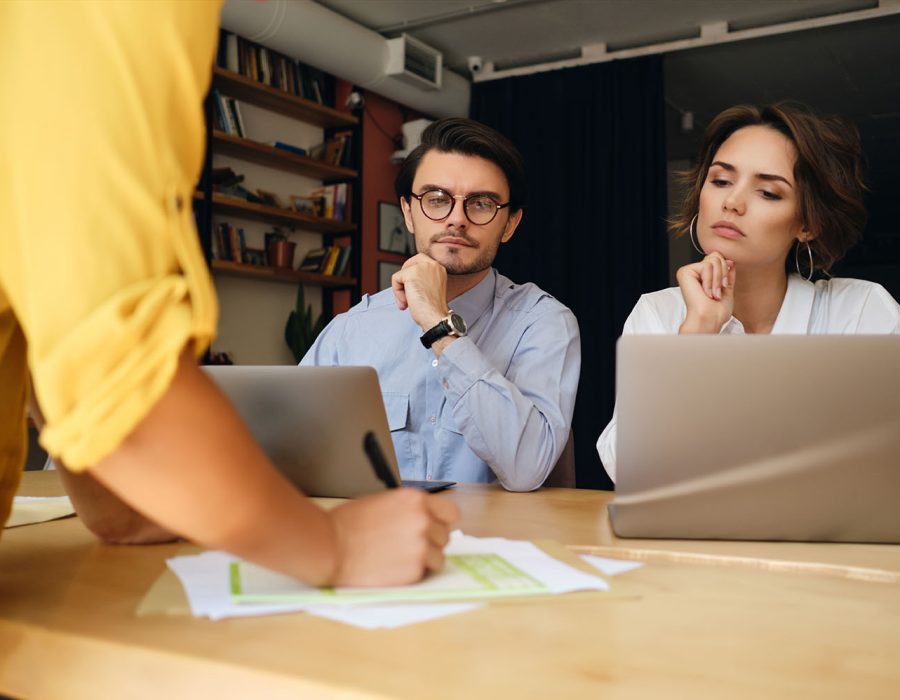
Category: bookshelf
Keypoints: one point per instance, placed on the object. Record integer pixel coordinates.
(275, 274)
(298, 108)
(233, 206)
(247, 90)
(249, 109)
(269, 156)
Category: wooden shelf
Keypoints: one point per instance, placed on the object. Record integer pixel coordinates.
(253, 92)
(233, 206)
(273, 274)
(272, 157)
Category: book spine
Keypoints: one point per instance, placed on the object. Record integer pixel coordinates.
(220, 111)
(232, 60)
(340, 266)
(235, 244)
(239, 118)
(340, 202)
(329, 202)
(233, 116)
(225, 242)
(242, 246)
(333, 253)
(228, 117)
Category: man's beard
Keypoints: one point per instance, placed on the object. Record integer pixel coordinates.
(452, 261)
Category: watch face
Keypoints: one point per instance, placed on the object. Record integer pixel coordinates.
(458, 324)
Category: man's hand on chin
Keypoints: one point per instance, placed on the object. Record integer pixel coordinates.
(421, 286)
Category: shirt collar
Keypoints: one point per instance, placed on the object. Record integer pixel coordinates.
(796, 309)
(471, 304)
(794, 314)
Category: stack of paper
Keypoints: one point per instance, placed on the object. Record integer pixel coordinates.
(218, 585)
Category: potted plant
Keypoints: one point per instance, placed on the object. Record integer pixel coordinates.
(279, 250)
(300, 331)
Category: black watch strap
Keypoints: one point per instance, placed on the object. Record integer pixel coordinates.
(435, 333)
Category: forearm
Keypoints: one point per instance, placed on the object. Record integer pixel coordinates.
(106, 515)
(193, 467)
(101, 511)
(508, 432)
(518, 424)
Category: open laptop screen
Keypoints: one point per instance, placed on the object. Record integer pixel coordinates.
(312, 421)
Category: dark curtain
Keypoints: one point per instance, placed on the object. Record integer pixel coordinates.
(593, 234)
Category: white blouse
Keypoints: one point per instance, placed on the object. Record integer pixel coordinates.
(838, 306)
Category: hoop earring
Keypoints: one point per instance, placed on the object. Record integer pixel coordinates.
(693, 232)
(808, 277)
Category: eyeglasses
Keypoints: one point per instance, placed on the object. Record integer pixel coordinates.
(437, 205)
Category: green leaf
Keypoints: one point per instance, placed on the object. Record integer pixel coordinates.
(300, 331)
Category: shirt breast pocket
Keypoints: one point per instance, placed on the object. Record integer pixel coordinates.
(396, 406)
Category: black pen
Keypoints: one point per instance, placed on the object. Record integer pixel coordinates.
(377, 459)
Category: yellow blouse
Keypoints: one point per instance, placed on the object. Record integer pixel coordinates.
(102, 280)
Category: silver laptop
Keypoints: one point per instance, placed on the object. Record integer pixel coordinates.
(312, 423)
(758, 438)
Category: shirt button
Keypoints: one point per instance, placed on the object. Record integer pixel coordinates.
(434, 362)
(179, 202)
(428, 477)
(446, 384)
(433, 420)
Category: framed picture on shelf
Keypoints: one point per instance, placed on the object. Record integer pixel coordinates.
(385, 271)
(254, 256)
(392, 234)
(307, 205)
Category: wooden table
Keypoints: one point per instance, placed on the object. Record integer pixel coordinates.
(709, 619)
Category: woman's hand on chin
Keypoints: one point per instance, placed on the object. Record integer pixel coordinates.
(708, 291)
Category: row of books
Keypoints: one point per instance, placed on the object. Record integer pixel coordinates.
(328, 202)
(337, 150)
(264, 65)
(228, 244)
(332, 260)
(228, 115)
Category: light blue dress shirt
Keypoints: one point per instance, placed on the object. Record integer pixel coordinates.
(498, 403)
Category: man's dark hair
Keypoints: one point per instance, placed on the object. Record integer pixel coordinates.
(470, 138)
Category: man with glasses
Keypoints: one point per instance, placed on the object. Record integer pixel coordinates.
(478, 373)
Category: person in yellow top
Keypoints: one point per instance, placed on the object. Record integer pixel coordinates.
(106, 302)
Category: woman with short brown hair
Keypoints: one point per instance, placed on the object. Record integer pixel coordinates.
(776, 198)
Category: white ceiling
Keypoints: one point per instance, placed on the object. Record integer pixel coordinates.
(519, 32)
(851, 68)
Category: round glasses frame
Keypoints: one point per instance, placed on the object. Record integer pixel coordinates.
(466, 198)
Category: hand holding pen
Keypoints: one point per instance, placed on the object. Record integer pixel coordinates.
(397, 535)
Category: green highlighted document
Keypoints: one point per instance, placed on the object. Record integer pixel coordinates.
(476, 569)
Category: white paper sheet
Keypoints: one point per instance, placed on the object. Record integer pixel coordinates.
(476, 569)
(206, 581)
(611, 567)
(28, 510)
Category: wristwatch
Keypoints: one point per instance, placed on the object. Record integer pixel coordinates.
(452, 324)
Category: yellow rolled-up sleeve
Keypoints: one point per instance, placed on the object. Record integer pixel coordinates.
(101, 263)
